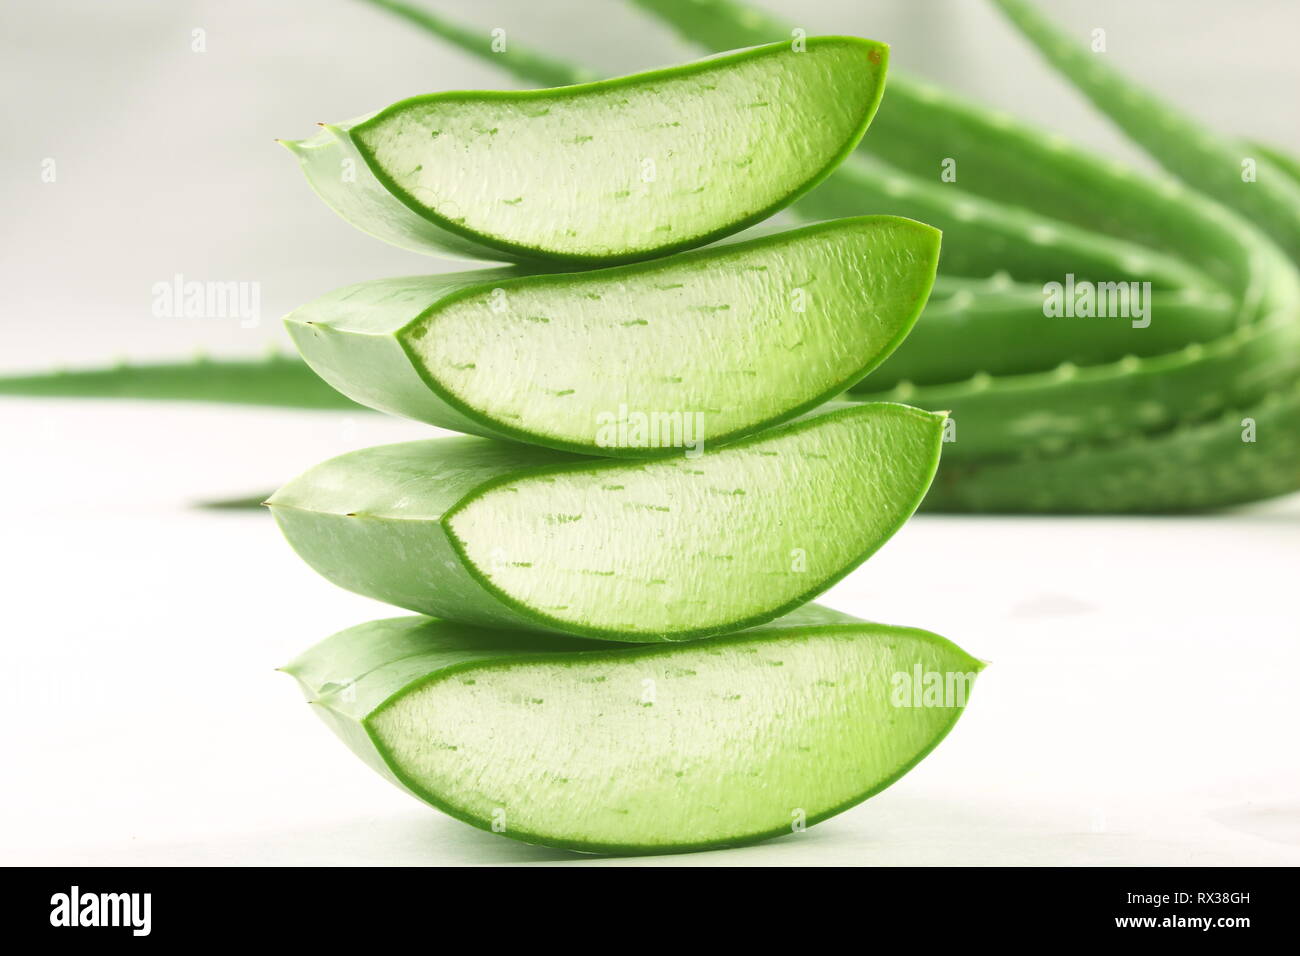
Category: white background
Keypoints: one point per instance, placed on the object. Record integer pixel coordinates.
(1140, 703)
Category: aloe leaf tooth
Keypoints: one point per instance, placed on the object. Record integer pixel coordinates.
(734, 338)
(640, 749)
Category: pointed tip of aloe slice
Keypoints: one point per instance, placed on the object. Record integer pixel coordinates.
(334, 130)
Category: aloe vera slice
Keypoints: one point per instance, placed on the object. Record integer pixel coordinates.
(499, 534)
(640, 749)
(980, 236)
(739, 336)
(615, 170)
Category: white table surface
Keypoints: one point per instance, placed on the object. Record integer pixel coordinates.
(1139, 709)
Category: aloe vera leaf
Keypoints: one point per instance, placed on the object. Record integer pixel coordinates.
(1281, 161)
(639, 749)
(981, 237)
(1004, 331)
(548, 175)
(744, 334)
(1015, 164)
(1202, 158)
(1011, 162)
(276, 380)
(1006, 416)
(521, 61)
(718, 24)
(498, 534)
(1190, 468)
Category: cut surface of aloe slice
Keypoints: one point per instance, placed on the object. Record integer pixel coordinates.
(615, 170)
(640, 749)
(737, 337)
(502, 534)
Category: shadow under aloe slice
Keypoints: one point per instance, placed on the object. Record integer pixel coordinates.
(739, 336)
(616, 170)
(508, 535)
(640, 749)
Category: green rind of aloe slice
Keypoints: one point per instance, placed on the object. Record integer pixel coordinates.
(508, 535)
(610, 171)
(742, 336)
(640, 749)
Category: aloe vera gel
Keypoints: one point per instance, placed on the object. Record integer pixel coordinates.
(641, 748)
(620, 169)
(490, 533)
(617, 653)
(716, 343)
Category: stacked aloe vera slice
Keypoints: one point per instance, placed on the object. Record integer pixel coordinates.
(614, 563)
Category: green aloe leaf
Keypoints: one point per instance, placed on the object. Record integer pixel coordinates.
(982, 237)
(500, 534)
(549, 175)
(537, 67)
(281, 380)
(744, 334)
(999, 327)
(643, 749)
(1243, 455)
(1001, 417)
(1204, 159)
(1281, 160)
